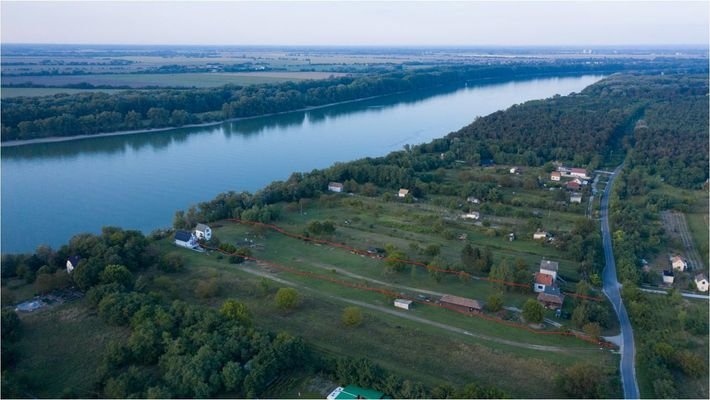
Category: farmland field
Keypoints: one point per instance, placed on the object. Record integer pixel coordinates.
(8, 92)
(169, 80)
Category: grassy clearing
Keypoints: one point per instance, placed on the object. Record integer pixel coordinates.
(697, 219)
(414, 350)
(60, 350)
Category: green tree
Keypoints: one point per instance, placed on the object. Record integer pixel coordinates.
(117, 274)
(495, 302)
(583, 381)
(287, 298)
(533, 311)
(10, 325)
(352, 316)
(237, 311)
(592, 329)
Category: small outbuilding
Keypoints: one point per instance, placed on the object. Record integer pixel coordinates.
(701, 282)
(473, 200)
(542, 281)
(668, 277)
(572, 185)
(403, 193)
(471, 215)
(575, 198)
(551, 298)
(403, 304)
(72, 262)
(540, 235)
(555, 176)
(461, 303)
(335, 187)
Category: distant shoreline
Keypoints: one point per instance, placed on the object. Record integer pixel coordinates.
(56, 139)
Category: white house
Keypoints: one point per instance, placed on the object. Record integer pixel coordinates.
(403, 304)
(668, 277)
(473, 200)
(579, 173)
(701, 281)
(471, 215)
(185, 239)
(72, 262)
(555, 176)
(516, 170)
(549, 268)
(403, 193)
(335, 187)
(678, 263)
(542, 281)
(575, 198)
(203, 231)
(540, 235)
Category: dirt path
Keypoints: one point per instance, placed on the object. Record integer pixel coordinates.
(396, 313)
(678, 227)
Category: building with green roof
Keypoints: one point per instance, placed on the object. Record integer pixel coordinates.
(354, 392)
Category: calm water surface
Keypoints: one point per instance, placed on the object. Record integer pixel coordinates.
(53, 191)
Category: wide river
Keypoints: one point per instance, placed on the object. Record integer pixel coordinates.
(53, 191)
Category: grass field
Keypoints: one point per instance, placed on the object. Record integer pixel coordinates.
(9, 92)
(169, 80)
(60, 350)
(697, 219)
(418, 351)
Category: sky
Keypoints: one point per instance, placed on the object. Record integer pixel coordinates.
(349, 23)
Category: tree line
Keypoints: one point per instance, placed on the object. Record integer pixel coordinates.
(92, 113)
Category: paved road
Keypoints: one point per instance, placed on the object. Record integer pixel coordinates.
(611, 290)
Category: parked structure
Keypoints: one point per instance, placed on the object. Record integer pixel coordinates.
(516, 170)
(575, 198)
(461, 303)
(203, 231)
(403, 193)
(555, 176)
(679, 263)
(335, 187)
(403, 304)
(701, 282)
(72, 262)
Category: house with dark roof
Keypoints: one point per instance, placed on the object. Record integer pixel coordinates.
(668, 276)
(72, 262)
(551, 298)
(185, 239)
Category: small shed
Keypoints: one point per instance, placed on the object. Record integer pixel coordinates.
(701, 282)
(72, 262)
(575, 198)
(539, 235)
(471, 215)
(403, 304)
(403, 193)
(668, 277)
(335, 187)
(551, 298)
(555, 176)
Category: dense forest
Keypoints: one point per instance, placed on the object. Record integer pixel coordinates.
(91, 113)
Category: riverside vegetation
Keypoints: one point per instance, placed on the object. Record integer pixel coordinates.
(180, 323)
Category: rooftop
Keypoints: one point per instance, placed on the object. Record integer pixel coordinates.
(201, 227)
(355, 392)
(543, 279)
(549, 265)
(460, 301)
